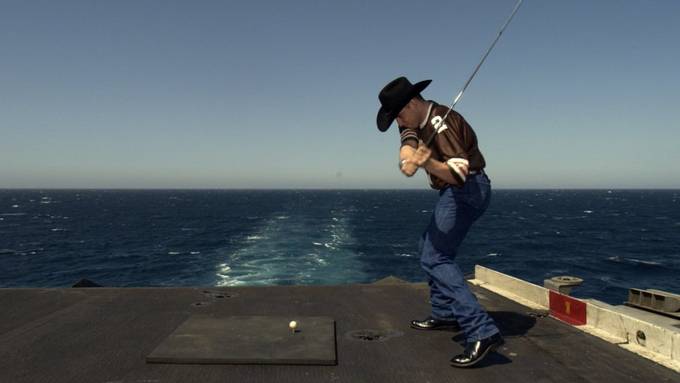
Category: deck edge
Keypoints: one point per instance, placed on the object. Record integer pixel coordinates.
(661, 344)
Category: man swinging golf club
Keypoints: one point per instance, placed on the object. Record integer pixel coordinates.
(455, 167)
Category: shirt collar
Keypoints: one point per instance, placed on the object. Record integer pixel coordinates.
(427, 116)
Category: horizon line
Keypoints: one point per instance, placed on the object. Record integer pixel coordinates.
(327, 189)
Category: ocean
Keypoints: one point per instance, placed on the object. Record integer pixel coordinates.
(613, 239)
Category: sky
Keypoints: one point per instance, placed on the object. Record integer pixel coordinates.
(274, 94)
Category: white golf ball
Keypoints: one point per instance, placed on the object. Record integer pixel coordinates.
(292, 325)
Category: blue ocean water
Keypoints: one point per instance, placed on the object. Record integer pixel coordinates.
(52, 238)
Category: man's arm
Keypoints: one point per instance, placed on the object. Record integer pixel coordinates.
(442, 171)
(452, 172)
(451, 144)
(407, 166)
(409, 144)
(406, 152)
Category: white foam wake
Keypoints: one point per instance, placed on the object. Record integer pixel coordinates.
(299, 249)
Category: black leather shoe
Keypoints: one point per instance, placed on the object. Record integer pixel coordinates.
(435, 324)
(476, 351)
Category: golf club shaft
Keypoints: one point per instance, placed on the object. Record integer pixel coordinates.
(460, 94)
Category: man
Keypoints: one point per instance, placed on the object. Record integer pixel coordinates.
(455, 167)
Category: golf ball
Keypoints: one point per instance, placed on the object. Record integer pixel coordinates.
(292, 325)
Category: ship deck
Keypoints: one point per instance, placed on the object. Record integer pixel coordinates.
(105, 334)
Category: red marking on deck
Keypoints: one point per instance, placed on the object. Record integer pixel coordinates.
(567, 309)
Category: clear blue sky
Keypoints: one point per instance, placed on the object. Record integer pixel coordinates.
(253, 94)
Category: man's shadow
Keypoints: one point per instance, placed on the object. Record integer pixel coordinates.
(510, 324)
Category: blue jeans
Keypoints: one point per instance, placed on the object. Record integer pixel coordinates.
(450, 296)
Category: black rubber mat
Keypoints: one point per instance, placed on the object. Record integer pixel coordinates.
(206, 339)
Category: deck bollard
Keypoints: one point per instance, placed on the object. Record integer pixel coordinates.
(562, 284)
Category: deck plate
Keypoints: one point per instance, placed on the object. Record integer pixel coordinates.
(206, 339)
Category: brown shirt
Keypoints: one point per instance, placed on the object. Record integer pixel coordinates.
(455, 144)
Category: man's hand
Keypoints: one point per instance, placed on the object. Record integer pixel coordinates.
(421, 155)
(409, 168)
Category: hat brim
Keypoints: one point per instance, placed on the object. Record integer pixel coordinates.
(386, 116)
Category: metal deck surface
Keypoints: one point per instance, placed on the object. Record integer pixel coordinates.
(105, 334)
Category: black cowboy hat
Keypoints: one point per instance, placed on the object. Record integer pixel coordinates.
(394, 97)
